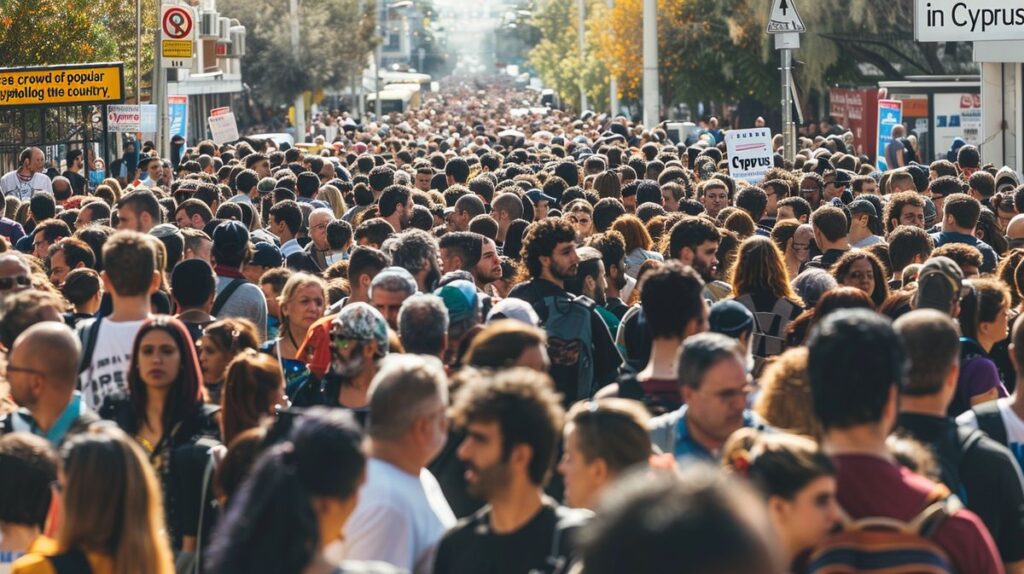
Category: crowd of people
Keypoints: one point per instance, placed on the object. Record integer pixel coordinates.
(476, 337)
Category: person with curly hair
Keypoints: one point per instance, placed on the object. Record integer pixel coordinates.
(861, 269)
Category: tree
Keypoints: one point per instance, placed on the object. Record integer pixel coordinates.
(556, 58)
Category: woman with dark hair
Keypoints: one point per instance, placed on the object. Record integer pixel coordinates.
(221, 342)
(295, 501)
(983, 318)
(861, 269)
(253, 390)
(513, 245)
(832, 300)
(166, 414)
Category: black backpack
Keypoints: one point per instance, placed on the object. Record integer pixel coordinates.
(991, 421)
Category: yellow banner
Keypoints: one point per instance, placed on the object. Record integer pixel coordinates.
(177, 48)
(59, 85)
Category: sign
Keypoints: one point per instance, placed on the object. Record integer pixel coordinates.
(890, 114)
(784, 18)
(750, 153)
(177, 39)
(956, 115)
(62, 85)
(963, 21)
(223, 127)
(148, 123)
(124, 119)
(857, 109)
(177, 114)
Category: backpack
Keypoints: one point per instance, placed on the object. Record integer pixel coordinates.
(567, 322)
(885, 544)
(223, 296)
(769, 336)
(990, 420)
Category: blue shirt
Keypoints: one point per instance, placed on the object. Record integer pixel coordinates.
(71, 413)
(988, 255)
(687, 447)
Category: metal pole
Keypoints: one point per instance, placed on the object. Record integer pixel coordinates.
(138, 52)
(652, 99)
(300, 100)
(613, 83)
(378, 58)
(580, 32)
(159, 95)
(789, 149)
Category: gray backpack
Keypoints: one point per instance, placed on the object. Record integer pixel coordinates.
(567, 322)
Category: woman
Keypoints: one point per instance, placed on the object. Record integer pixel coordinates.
(603, 439)
(302, 302)
(295, 502)
(221, 342)
(166, 415)
(332, 196)
(984, 311)
(607, 184)
(581, 215)
(798, 481)
(111, 511)
(508, 343)
(784, 399)
(833, 300)
(860, 269)
(28, 467)
(638, 243)
(784, 236)
(761, 284)
(84, 290)
(253, 389)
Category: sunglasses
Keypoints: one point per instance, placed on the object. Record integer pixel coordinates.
(8, 283)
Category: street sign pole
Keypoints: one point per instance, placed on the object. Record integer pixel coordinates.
(785, 24)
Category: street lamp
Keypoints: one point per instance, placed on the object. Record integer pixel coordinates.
(300, 100)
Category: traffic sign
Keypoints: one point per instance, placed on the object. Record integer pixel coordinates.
(177, 39)
(784, 18)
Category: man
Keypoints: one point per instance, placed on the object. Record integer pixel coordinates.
(982, 186)
(513, 422)
(389, 289)
(694, 242)
(837, 184)
(395, 206)
(68, 254)
(15, 274)
(754, 201)
(830, 228)
(908, 245)
(895, 151)
(541, 203)
(550, 258)
(198, 245)
(258, 163)
(75, 163)
(285, 222)
(423, 325)
(904, 208)
(713, 383)
(505, 209)
(46, 234)
(246, 183)
(812, 186)
(794, 208)
(89, 213)
(776, 190)
(456, 171)
(138, 211)
(130, 276)
(980, 470)
(1015, 232)
(42, 370)
(236, 297)
(402, 513)
(613, 254)
(714, 194)
(466, 208)
(417, 251)
(591, 281)
(862, 216)
(864, 185)
(468, 251)
(856, 368)
(315, 253)
(961, 218)
(265, 257)
(423, 176)
(193, 289)
(940, 188)
(29, 178)
(968, 161)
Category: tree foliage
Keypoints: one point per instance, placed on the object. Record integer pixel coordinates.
(557, 59)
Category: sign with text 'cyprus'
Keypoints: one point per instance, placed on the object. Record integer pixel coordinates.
(968, 20)
(77, 84)
(750, 153)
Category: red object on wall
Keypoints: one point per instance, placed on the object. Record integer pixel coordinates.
(857, 111)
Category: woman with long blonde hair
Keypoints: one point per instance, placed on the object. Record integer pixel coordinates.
(303, 300)
(333, 197)
(111, 509)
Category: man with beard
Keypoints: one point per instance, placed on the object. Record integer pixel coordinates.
(694, 242)
(613, 254)
(468, 251)
(512, 421)
(359, 338)
(591, 282)
(395, 206)
(583, 354)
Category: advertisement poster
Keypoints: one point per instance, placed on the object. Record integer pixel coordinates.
(890, 114)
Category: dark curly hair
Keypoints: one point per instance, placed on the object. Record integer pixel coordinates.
(541, 239)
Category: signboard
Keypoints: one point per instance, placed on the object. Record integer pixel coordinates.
(177, 114)
(177, 39)
(750, 153)
(956, 115)
(62, 85)
(124, 119)
(857, 109)
(148, 122)
(223, 127)
(784, 18)
(890, 114)
(962, 21)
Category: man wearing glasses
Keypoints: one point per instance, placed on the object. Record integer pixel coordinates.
(42, 370)
(14, 275)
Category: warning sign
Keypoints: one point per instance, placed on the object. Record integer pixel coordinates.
(176, 49)
(177, 36)
(56, 85)
(784, 18)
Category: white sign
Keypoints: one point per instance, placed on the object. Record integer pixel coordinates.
(148, 123)
(750, 153)
(967, 21)
(124, 119)
(954, 116)
(223, 127)
(784, 18)
(177, 36)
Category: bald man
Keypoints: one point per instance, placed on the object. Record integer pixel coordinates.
(42, 370)
(1015, 231)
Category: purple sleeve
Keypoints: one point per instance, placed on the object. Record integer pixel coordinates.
(979, 376)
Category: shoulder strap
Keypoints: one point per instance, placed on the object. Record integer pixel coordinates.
(968, 437)
(223, 296)
(565, 519)
(71, 562)
(89, 336)
(990, 420)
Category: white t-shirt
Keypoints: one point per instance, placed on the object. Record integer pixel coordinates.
(106, 377)
(400, 519)
(1014, 427)
(12, 185)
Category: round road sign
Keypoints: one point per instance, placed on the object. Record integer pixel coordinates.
(177, 23)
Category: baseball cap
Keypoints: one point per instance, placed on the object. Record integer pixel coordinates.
(360, 322)
(863, 206)
(939, 284)
(516, 309)
(266, 255)
(730, 317)
(461, 300)
(536, 196)
(266, 185)
(843, 177)
(231, 234)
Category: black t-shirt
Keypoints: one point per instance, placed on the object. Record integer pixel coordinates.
(985, 477)
(472, 547)
(77, 182)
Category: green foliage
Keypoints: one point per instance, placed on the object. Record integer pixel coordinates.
(557, 59)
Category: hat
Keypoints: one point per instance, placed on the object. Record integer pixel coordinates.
(165, 230)
(939, 284)
(232, 235)
(266, 185)
(361, 322)
(536, 196)
(843, 177)
(461, 300)
(516, 309)
(729, 317)
(863, 206)
(929, 212)
(266, 255)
